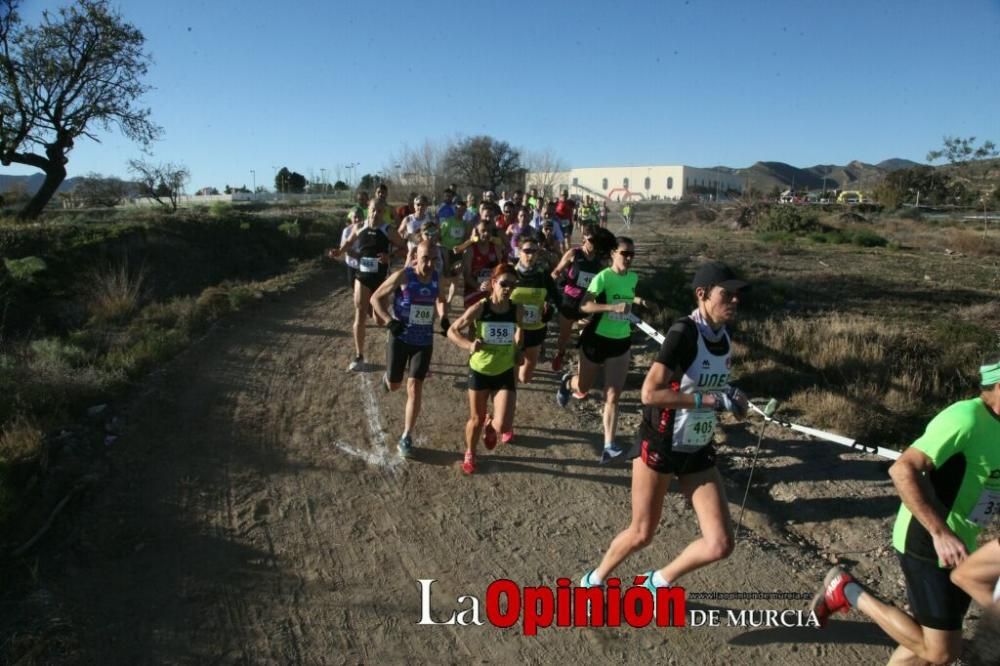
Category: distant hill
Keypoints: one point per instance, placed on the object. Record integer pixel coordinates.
(32, 183)
(765, 176)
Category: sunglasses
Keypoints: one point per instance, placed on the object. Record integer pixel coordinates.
(507, 284)
(529, 250)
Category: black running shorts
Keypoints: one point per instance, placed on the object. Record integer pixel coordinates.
(505, 381)
(400, 354)
(935, 601)
(532, 338)
(372, 280)
(570, 308)
(599, 349)
(661, 458)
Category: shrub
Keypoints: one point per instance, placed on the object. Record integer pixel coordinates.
(868, 238)
(789, 219)
(293, 229)
(114, 293)
(25, 269)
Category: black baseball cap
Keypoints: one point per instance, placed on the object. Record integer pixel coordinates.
(715, 273)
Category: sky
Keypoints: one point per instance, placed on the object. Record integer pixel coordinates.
(252, 86)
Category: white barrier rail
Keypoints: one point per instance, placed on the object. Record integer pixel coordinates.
(812, 432)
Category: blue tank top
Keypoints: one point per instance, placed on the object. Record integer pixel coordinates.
(414, 306)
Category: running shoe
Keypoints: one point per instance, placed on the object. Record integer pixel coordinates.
(405, 446)
(357, 365)
(469, 464)
(585, 582)
(489, 434)
(507, 437)
(830, 599)
(563, 392)
(648, 584)
(610, 452)
(557, 362)
(385, 383)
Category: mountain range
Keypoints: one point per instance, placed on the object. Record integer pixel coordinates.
(762, 176)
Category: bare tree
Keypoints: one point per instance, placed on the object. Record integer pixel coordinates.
(544, 169)
(160, 181)
(80, 68)
(418, 168)
(484, 163)
(97, 191)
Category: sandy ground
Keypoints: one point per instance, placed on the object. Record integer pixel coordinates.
(258, 514)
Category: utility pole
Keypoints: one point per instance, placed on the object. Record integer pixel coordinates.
(253, 176)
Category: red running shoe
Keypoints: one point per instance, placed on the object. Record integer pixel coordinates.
(469, 464)
(557, 362)
(830, 599)
(489, 434)
(507, 437)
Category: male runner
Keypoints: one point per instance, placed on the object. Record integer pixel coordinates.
(416, 292)
(949, 484)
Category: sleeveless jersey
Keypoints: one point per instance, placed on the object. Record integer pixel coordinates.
(692, 429)
(414, 306)
(370, 243)
(531, 292)
(496, 330)
(580, 273)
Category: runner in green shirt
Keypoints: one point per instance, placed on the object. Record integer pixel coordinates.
(949, 482)
(607, 340)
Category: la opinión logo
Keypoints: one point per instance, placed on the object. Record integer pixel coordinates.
(536, 607)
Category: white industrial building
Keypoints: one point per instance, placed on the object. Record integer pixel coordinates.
(664, 182)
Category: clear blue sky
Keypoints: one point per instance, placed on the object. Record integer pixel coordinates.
(311, 85)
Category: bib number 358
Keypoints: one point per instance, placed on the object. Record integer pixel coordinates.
(498, 334)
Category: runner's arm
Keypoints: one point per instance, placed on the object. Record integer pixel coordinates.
(563, 264)
(468, 318)
(385, 290)
(590, 306)
(909, 475)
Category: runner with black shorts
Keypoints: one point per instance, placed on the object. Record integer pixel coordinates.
(949, 484)
(481, 257)
(416, 293)
(576, 269)
(686, 387)
(371, 245)
(537, 295)
(491, 325)
(606, 342)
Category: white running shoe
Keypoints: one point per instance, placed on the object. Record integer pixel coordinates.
(357, 365)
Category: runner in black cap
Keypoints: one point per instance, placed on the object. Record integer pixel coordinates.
(684, 390)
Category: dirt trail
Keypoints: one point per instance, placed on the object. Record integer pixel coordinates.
(258, 514)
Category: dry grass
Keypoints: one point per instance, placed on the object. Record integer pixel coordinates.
(115, 293)
(973, 243)
(859, 375)
(20, 440)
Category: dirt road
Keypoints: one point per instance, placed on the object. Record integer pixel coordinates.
(258, 514)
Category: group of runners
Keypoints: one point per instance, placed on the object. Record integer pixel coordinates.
(517, 275)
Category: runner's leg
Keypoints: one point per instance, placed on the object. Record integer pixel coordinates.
(414, 393)
(565, 331)
(615, 373)
(708, 498)
(648, 490)
(504, 402)
(527, 369)
(477, 416)
(361, 297)
(917, 645)
(978, 573)
(584, 380)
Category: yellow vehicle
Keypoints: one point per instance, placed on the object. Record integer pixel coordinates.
(852, 197)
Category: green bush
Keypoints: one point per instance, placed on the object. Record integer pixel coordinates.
(789, 219)
(293, 229)
(868, 238)
(24, 269)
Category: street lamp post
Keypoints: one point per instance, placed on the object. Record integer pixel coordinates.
(322, 178)
(253, 177)
(275, 179)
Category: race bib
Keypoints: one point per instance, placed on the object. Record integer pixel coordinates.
(498, 333)
(368, 264)
(583, 279)
(987, 509)
(457, 232)
(621, 316)
(421, 315)
(698, 429)
(531, 314)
